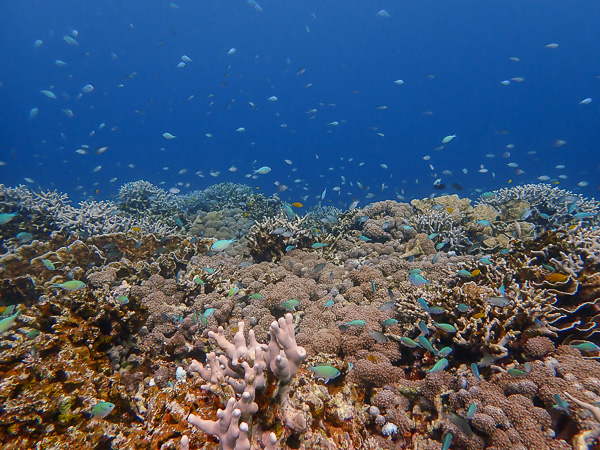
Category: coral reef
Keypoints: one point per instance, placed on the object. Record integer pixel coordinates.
(389, 326)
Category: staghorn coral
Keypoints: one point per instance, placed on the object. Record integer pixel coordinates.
(141, 198)
(559, 205)
(269, 239)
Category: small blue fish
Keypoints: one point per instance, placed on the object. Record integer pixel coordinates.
(464, 273)
(290, 304)
(387, 306)
(471, 411)
(329, 303)
(289, 212)
(102, 409)
(378, 336)
(475, 371)
(487, 195)
(356, 323)
(8, 310)
(426, 344)
(526, 214)
(516, 372)
(423, 304)
(389, 322)
(561, 405)
(433, 236)
(463, 308)
(48, 264)
(586, 346)
(221, 245)
(433, 310)
(7, 322)
(484, 223)
(446, 327)
(446, 440)
(543, 215)
(122, 300)
(445, 351)
(436, 257)
(209, 312)
(439, 366)
(486, 261)
(416, 279)
(289, 248)
(583, 216)
(32, 334)
(325, 372)
(209, 270)
(440, 245)
(411, 271)
(178, 221)
(362, 219)
(318, 245)
(408, 342)
(262, 171)
(24, 237)
(407, 228)
(391, 294)
(72, 285)
(364, 238)
(373, 286)
(572, 207)
(6, 217)
(423, 328)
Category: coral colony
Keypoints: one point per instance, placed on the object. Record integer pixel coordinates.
(226, 319)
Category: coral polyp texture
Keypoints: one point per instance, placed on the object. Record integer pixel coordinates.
(224, 319)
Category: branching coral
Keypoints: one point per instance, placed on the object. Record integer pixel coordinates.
(242, 367)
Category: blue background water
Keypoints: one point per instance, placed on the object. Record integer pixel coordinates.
(350, 56)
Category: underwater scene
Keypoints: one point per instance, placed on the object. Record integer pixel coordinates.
(300, 225)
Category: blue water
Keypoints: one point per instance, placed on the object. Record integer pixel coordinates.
(451, 55)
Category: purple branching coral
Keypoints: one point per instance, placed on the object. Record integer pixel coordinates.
(243, 368)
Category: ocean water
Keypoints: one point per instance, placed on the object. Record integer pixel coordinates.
(341, 115)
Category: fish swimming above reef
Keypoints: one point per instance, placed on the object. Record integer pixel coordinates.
(6, 217)
(221, 245)
(72, 285)
(7, 322)
(439, 366)
(262, 171)
(325, 372)
(353, 323)
(102, 409)
(416, 279)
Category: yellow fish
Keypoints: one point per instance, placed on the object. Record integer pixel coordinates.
(297, 204)
(556, 277)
